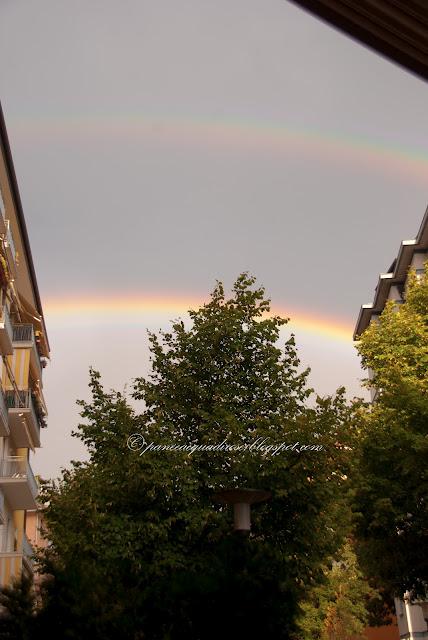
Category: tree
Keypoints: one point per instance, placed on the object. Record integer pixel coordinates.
(140, 548)
(18, 605)
(337, 609)
(392, 494)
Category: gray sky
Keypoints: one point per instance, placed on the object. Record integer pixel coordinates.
(161, 145)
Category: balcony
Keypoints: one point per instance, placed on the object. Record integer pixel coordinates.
(10, 248)
(6, 333)
(24, 423)
(27, 551)
(4, 417)
(2, 218)
(24, 338)
(2, 509)
(14, 563)
(18, 483)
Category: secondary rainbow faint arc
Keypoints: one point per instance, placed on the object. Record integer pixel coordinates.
(235, 133)
(136, 309)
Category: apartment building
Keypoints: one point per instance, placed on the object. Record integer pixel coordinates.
(412, 254)
(24, 350)
(412, 618)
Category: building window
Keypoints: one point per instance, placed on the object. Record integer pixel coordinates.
(419, 273)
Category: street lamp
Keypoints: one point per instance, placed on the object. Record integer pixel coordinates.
(242, 499)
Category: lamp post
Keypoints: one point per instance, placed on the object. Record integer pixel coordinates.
(242, 499)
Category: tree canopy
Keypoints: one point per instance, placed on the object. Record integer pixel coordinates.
(140, 547)
(392, 496)
(336, 609)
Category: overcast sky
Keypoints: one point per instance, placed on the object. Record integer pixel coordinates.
(160, 145)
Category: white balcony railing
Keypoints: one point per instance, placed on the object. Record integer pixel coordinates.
(22, 400)
(23, 335)
(12, 565)
(24, 418)
(17, 468)
(6, 332)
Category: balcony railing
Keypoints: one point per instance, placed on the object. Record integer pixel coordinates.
(18, 482)
(20, 400)
(4, 417)
(2, 509)
(17, 467)
(12, 565)
(2, 215)
(27, 549)
(24, 419)
(6, 332)
(25, 333)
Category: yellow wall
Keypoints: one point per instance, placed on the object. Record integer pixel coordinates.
(19, 362)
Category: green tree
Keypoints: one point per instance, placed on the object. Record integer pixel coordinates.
(140, 548)
(18, 604)
(336, 609)
(392, 494)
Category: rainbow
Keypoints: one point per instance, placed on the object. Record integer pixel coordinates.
(233, 134)
(119, 310)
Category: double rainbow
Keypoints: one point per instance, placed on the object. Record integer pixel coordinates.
(235, 134)
(138, 310)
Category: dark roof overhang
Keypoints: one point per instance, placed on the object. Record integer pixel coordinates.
(397, 29)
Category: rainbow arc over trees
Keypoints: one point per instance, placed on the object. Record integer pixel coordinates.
(129, 310)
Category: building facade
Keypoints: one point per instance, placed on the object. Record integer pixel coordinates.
(412, 618)
(24, 351)
(412, 254)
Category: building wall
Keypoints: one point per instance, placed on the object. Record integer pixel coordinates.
(412, 618)
(35, 528)
(23, 342)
